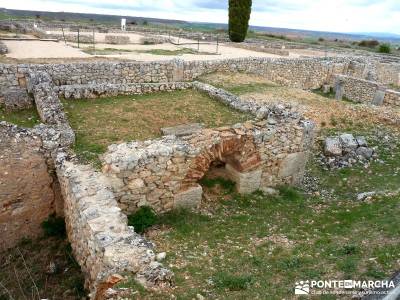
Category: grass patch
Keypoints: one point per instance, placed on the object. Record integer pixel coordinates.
(231, 282)
(101, 122)
(27, 265)
(226, 184)
(178, 52)
(261, 248)
(54, 226)
(24, 118)
(142, 219)
(106, 51)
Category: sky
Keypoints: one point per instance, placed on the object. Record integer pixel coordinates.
(324, 15)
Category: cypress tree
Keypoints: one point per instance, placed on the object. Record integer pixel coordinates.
(239, 16)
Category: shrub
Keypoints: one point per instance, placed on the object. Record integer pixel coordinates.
(142, 219)
(54, 226)
(385, 48)
(368, 43)
(239, 16)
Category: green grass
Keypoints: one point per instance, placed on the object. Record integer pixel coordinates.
(174, 52)
(101, 122)
(106, 51)
(235, 253)
(24, 118)
(240, 89)
(26, 266)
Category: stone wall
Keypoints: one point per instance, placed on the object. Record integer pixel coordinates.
(365, 91)
(102, 243)
(164, 173)
(26, 194)
(302, 73)
(88, 91)
(392, 98)
(117, 39)
(260, 48)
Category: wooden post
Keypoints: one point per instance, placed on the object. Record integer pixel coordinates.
(198, 43)
(217, 43)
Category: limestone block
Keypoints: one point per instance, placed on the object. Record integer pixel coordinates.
(246, 183)
(333, 147)
(348, 141)
(190, 198)
(293, 165)
(182, 130)
(378, 97)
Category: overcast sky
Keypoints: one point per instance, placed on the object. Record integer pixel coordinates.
(325, 15)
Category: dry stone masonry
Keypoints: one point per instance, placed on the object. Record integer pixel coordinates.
(164, 173)
(104, 246)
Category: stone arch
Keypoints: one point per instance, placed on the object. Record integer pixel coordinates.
(242, 162)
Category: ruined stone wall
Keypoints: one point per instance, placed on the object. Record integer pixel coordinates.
(88, 91)
(365, 91)
(26, 195)
(117, 39)
(302, 73)
(388, 73)
(103, 244)
(164, 173)
(358, 90)
(392, 98)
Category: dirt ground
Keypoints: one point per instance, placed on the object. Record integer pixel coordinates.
(21, 50)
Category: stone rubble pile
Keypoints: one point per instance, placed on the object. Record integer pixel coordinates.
(346, 150)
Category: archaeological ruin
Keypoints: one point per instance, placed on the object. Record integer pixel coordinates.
(41, 175)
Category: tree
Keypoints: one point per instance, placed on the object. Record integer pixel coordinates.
(239, 16)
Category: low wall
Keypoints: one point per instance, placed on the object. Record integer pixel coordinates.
(102, 243)
(117, 39)
(365, 91)
(26, 194)
(306, 73)
(261, 48)
(164, 173)
(89, 91)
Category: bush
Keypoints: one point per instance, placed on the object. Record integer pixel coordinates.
(239, 16)
(368, 43)
(142, 219)
(384, 48)
(54, 226)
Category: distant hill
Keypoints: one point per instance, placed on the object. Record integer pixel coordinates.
(115, 19)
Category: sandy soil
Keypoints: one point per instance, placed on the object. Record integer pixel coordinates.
(41, 49)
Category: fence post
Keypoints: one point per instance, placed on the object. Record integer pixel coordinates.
(217, 43)
(62, 28)
(198, 42)
(78, 37)
(94, 44)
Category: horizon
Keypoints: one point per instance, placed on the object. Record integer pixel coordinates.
(286, 15)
